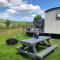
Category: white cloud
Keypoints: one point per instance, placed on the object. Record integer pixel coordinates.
(29, 7)
(7, 13)
(26, 8)
(29, 18)
(21, 7)
(4, 3)
(4, 15)
(17, 2)
(26, 18)
(11, 11)
(42, 13)
(33, 15)
(9, 3)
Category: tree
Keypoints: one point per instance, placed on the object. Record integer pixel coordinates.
(37, 17)
(7, 22)
(37, 21)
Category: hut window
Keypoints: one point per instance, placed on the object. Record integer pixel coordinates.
(58, 16)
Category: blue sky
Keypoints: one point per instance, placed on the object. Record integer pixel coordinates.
(25, 10)
(46, 4)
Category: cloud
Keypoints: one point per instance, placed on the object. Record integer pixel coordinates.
(33, 15)
(29, 18)
(10, 11)
(7, 13)
(26, 18)
(10, 3)
(17, 2)
(4, 15)
(21, 8)
(28, 8)
(4, 3)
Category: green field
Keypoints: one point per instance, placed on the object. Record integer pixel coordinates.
(14, 24)
(9, 52)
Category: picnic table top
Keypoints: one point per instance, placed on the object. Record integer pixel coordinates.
(34, 40)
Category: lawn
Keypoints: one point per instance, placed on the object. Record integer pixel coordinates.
(9, 52)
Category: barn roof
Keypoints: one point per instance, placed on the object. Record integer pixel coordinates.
(52, 9)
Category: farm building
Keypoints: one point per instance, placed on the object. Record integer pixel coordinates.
(52, 21)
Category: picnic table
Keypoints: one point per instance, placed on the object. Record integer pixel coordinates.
(33, 43)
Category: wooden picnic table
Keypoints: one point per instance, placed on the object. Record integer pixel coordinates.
(33, 42)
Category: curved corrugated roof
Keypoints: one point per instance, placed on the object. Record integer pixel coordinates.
(52, 9)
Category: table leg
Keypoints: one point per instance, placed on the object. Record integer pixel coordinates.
(34, 49)
(48, 40)
(24, 47)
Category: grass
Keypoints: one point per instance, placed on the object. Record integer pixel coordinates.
(9, 52)
(56, 53)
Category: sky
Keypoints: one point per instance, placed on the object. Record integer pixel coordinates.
(25, 10)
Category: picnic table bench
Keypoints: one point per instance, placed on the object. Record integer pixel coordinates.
(33, 43)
